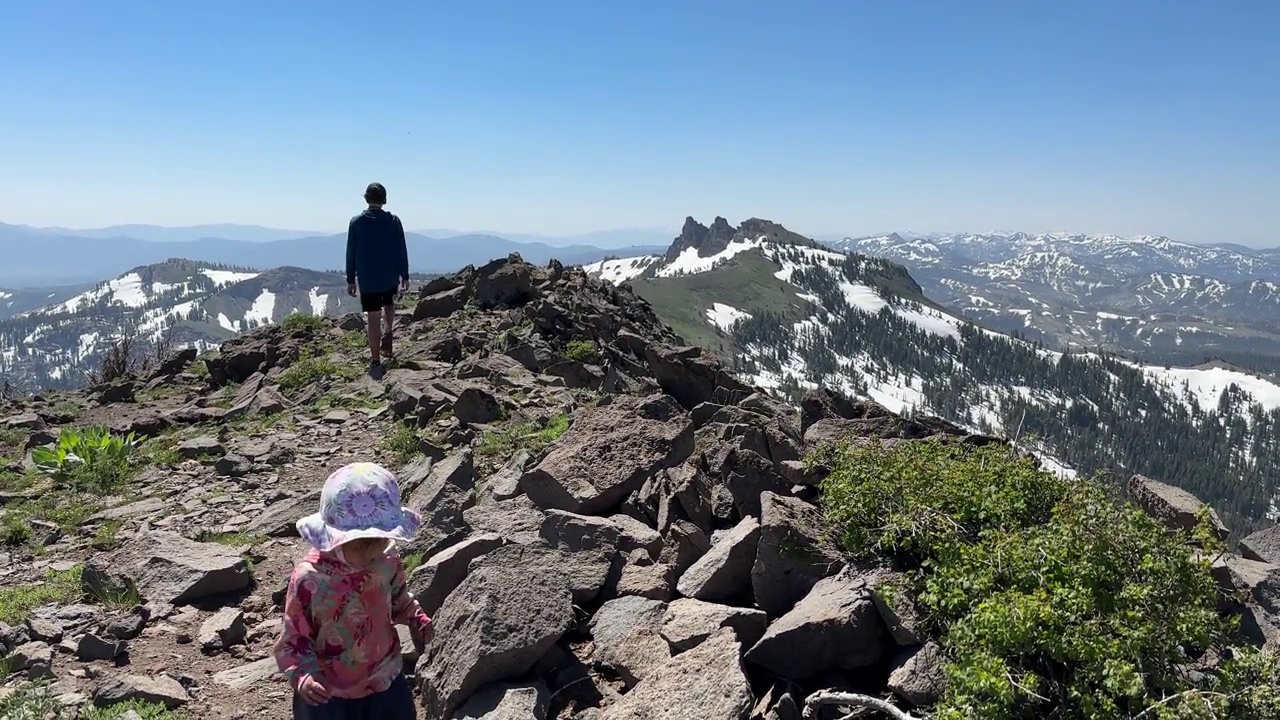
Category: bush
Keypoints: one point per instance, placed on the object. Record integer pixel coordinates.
(300, 321)
(580, 350)
(311, 369)
(30, 701)
(1050, 598)
(90, 459)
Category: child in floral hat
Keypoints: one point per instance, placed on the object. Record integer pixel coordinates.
(339, 649)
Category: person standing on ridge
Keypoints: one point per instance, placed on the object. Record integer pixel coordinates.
(378, 260)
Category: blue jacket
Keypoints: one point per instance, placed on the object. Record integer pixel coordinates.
(377, 257)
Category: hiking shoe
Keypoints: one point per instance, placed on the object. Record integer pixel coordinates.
(386, 344)
(376, 370)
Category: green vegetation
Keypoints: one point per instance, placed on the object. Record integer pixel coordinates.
(17, 601)
(411, 562)
(580, 350)
(310, 369)
(300, 321)
(1050, 598)
(231, 539)
(66, 511)
(88, 459)
(105, 536)
(402, 443)
(531, 436)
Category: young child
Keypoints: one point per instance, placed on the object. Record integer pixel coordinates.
(339, 649)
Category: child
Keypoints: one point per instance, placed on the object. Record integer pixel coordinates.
(339, 649)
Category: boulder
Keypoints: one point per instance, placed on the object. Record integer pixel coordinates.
(433, 580)
(34, 658)
(835, 627)
(608, 453)
(92, 647)
(1174, 507)
(500, 621)
(441, 304)
(919, 675)
(724, 572)
(222, 630)
(504, 701)
(1263, 545)
(688, 622)
(476, 406)
(158, 689)
(626, 636)
(168, 568)
(280, 519)
(792, 555)
(706, 682)
(244, 677)
(203, 445)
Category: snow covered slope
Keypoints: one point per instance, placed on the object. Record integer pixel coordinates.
(792, 314)
(201, 304)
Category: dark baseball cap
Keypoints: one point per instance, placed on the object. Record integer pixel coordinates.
(375, 193)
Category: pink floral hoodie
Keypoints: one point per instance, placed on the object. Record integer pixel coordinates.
(339, 623)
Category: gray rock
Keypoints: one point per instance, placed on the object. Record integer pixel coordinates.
(434, 579)
(919, 676)
(724, 573)
(222, 630)
(512, 607)
(1174, 507)
(35, 658)
(280, 519)
(233, 465)
(165, 567)
(608, 453)
(688, 622)
(792, 555)
(128, 624)
(160, 689)
(444, 492)
(503, 701)
(635, 535)
(92, 647)
(44, 630)
(836, 626)
(505, 484)
(200, 446)
(247, 676)
(586, 545)
(626, 636)
(1263, 545)
(336, 417)
(476, 406)
(517, 519)
(893, 597)
(705, 682)
(639, 574)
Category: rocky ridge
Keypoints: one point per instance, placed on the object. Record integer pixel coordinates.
(617, 526)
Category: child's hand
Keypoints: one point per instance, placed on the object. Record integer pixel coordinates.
(311, 691)
(421, 635)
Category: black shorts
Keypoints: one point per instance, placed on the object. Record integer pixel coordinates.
(370, 302)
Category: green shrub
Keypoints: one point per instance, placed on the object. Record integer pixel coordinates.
(300, 321)
(1050, 598)
(580, 350)
(402, 443)
(91, 458)
(32, 701)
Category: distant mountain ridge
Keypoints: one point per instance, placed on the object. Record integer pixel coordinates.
(200, 303)
(43, 258)
(1152, 296)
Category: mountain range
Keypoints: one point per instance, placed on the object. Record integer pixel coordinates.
(793, 314)
(1154, 297)
(39, 257)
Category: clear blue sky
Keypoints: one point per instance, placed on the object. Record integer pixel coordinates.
(831, 116)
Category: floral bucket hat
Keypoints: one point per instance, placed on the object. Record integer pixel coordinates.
(360, 500)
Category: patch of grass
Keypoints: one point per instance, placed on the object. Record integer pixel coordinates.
(105, 536)
(67, 511)
(310, 369)
(1050, 598)
(580, 350)
(231, 539)
(529, 436)
(332, 400)
(17, 602)
(13, 437)
(144, 710)
(300, 321)
(411, 562)
(402, 443)
(162, 451)
(19, 481)
(355, 340)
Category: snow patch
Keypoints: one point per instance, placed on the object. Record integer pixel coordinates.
(621, 270)
(263, 308)
(226, 277)
(688, 262)
(724, 316)
(319, 301)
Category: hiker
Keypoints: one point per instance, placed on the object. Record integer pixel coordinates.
(339, 649)
(378, 262)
